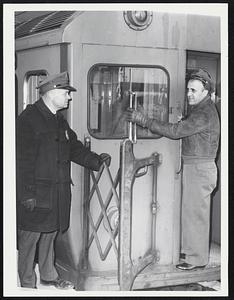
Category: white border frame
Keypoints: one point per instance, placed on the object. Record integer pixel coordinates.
(9, 209)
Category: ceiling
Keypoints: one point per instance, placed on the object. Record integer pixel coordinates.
(22, 16)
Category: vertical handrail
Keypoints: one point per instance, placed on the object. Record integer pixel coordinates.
(85, 233)
(154, 204)
(135, 125)
(130, 104)
(132, 134)
(132, 128)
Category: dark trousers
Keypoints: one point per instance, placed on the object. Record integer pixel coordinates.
(27, 242)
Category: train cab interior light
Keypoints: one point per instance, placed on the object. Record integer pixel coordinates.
(138, 20)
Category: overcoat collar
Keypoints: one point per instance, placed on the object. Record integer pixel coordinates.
(40, 104)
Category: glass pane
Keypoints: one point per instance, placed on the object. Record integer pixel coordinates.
(112, 89)
(32, 79)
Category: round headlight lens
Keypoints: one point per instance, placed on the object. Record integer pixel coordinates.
(138, 20)
(141, 16)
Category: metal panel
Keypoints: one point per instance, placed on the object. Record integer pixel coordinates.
(203, 33)
(167, 234)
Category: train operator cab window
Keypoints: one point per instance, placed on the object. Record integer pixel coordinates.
(114, 88)
(31, 81)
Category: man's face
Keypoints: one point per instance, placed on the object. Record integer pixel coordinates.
(60, 98)
(195, 92)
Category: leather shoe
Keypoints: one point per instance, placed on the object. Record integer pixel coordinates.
(188, 267)
(59, 283)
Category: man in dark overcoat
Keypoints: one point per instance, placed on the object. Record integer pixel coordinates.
(45, 147)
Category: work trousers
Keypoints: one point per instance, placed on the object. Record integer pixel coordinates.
(199, 180)
(27, 242)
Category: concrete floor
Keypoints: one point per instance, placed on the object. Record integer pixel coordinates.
(200, 286)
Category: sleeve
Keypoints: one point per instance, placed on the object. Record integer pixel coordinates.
(26, 152)
(81, 155)
(193, 124)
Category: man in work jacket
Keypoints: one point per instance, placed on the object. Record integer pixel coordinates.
(200, 132)
(45, 147)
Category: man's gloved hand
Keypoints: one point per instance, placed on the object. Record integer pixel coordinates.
(105, 158)
(29, 204)
(136, 116)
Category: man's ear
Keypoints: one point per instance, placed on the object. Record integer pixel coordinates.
(205, 92)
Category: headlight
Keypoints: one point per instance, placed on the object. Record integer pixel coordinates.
(138, 20)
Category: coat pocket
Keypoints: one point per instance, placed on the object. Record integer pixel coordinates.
(44, 193)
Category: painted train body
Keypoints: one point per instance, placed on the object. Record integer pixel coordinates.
(114, 58)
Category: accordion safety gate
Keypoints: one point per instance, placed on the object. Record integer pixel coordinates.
(130, 168)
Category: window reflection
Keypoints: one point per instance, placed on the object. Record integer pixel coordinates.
(31, 81)
(110, 88)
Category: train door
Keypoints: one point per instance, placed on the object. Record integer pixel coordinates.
(153, 74)
(32, 66)
(211, 63)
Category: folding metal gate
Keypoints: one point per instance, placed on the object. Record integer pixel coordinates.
(129, 169)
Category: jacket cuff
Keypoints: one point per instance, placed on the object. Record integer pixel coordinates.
(149, 123)
(93, 161)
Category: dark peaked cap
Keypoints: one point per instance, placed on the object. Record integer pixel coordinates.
(57, 81)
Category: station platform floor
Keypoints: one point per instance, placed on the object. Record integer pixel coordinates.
(209, 285)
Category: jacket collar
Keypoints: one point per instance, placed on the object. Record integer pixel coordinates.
(200, 104)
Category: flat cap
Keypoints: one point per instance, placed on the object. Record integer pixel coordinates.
(57, 81)
(204, 77)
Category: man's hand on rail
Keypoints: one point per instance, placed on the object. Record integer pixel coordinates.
(136, 116)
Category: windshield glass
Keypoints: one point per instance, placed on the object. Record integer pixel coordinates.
(112, 89)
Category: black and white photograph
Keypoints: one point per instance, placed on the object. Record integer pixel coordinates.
(115, 149)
